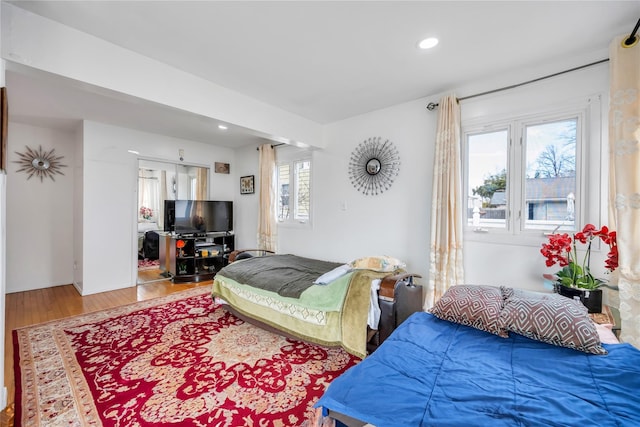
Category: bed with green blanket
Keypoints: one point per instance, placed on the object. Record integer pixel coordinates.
(278, 291)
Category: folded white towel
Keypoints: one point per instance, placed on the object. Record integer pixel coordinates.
(332, 275)
(373, 318)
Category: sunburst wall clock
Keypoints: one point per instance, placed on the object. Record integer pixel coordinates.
(40, 163)
(373, 166)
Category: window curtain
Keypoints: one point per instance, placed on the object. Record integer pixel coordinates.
(446, 268)
(267, 235)
(148, 194)
(624, 179)
(163, 197)
(202, 179)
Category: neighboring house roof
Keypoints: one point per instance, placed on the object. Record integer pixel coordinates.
(549, 189)
(498, 198)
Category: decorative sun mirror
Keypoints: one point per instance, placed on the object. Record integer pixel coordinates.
(40, 163)
(373, 166)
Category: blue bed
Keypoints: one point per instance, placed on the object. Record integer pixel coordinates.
(433, 372)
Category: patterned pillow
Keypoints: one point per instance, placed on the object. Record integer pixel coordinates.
(477, 306)
(558, 321)
(382, 264)
(522, 293)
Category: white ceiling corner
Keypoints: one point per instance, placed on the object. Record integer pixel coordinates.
(321, 60)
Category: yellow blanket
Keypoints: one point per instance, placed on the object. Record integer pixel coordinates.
(355, 312)
(346, 328)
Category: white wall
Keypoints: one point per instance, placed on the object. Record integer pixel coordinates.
(110, 196)
(78, 222)
(394, 223)
(40, 215)
(398, 221)
(246, 205)
(523, 265)
(87, 217)
(46, 45)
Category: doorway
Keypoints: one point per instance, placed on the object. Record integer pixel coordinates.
(159, 181)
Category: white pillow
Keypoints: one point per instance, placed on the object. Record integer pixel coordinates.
(606, 334)
(332, 275)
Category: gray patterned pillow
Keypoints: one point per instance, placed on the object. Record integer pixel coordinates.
(547, 318)
(477, 306)
(522, 293)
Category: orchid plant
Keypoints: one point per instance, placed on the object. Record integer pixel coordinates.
(562, 249)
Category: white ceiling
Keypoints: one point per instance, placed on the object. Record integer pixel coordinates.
(323, 60)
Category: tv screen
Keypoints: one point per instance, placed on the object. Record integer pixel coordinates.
(198, 216)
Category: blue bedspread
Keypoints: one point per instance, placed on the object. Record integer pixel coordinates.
(431, 372)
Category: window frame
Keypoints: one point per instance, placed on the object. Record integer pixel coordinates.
(588, 146)
(291, 158)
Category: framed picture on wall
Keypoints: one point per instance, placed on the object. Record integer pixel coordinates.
(246, 185)
(222, 167)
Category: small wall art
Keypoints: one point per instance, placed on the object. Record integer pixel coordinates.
(220, 167)
(40, 163)
(373, 166)
(246, 185)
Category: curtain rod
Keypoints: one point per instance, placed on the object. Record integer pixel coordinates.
(632, 39)
(272, 146)
(432, 105)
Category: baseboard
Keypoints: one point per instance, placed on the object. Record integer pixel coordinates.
(78, 287)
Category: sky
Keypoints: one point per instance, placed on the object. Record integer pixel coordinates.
(488, 151)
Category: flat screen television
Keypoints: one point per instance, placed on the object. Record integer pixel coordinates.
(198, 216)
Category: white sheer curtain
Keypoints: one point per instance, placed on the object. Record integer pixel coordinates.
(267, 227)
(163, 197)
(624, 179)
(148, 194)
(446, 268)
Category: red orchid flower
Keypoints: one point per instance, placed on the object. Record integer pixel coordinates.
(561, 249)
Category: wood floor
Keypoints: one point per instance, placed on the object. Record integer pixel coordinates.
(42, 305)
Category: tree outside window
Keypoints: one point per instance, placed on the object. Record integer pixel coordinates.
(524, 182)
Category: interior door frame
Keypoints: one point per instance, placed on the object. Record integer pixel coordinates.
(134, 270)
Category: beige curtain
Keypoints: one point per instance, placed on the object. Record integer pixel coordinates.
(446, 268)
(202, 181)
(163, 197)
(148, 192)
(267, 236)
(624, 179)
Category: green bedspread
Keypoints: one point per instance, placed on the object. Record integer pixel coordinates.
(286, 275)
(333, 314)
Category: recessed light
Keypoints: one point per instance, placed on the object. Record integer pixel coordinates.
(428, 43)
(222, 127)
(133, 152)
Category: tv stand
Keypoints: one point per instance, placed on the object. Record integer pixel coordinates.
(194, 257)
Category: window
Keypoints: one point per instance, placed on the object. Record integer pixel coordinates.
(294, 191)
(523, 176)
(550, 178)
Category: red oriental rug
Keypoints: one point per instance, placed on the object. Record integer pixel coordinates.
(179, 360)
(148, 264)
